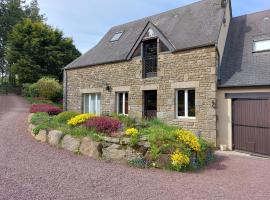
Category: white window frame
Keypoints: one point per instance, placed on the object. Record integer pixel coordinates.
(123, 104)
(97, 106)
(186, 104)
(262, 49)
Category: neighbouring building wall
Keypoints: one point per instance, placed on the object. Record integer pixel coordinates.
(224, 113)
(192, 69)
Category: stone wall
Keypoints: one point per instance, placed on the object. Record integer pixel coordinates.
(182, 70)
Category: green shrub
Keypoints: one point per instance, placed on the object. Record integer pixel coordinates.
(154, 151)
(206, 154)
(25, 89)
(40, 118)
(37, 100)
(157, 131)
(139, 162)
(40, 127)
(134, 139)
(33, 90)
(65, 116)
(161, 137)
(50, 88)
(82, 132)
(127, 121)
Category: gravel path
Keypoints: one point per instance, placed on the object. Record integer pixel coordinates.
(31, 170)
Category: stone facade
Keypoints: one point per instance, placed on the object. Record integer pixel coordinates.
(191, 69)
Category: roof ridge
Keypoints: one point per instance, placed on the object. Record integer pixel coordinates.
(164, 12)
(250, 14)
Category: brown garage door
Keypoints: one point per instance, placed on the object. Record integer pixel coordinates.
(251, 125)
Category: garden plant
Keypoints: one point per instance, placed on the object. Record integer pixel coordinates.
(170, 147)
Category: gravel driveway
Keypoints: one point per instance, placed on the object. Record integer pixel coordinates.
(31, 170)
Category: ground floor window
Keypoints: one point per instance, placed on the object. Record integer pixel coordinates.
(185, 103)
(122, 103)
(92, 103)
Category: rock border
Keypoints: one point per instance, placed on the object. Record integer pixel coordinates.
(109, 148)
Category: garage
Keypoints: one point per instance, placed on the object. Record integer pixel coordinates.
(251, 123)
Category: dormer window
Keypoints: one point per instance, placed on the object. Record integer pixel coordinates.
(150, 58)
(117, 36)
(261, 45)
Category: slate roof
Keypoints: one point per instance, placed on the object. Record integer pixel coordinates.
(240, 66)
(195, 25)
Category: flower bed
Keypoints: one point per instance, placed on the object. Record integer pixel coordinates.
(79, 119)
(47, 108)
(153, 144)
(104, 125)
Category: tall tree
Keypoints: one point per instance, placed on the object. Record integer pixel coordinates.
(35, 49)
(11, 13)
(32, 11)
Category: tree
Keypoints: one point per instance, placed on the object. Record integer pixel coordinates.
(11, 13)
(32, 11)
(35, 49)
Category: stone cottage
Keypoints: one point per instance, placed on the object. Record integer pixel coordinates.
(166, 66)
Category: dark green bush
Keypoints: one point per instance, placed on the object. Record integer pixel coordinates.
(25, 89)
(33, 90)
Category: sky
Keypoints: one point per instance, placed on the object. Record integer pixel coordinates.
(86, 21)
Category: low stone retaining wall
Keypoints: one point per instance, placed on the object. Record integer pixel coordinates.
(109, 148)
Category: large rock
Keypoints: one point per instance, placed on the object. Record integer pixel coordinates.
(143, 138)
(164, 161)
(31, 127)
(144, 144)
(30, 117)
(91, 148)
(111, 139)
(41, 136)
(114, 152)
(54, 137)
(132, 154)
(125, 140)
(70, 143)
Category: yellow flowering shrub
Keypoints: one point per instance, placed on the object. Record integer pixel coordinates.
(79, 119)
(189, 139)
(132, 132)
(179, 159)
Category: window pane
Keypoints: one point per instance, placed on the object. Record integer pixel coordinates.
(98, 105)
(126, 103)
(93, 103)
(116, 36)
(181, 103)
(262, 45)
(150, 58)
(191, 103)
(86, 103)
(120, 103)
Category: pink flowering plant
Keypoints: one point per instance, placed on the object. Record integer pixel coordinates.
(47, 108)
(105, 125)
